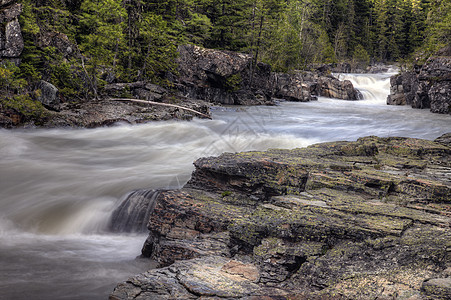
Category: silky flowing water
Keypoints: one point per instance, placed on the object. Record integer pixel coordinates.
(58, 187)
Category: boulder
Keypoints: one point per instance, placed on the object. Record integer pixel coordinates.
(361, 219)
(10, 13)
(292, 87)
(331, 87)
(11, 41)
(49, 95)
(429, 86)
(403, 89)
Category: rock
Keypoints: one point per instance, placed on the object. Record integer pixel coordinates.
(435, 84)
(333, 88)
(437, 287)
(222, 76)
(231, 78)
(140, 90)
(105, 112)
(403, 89)
(359, 219)
(10, 13)
(13, 44)
(49, 95)
(11, 41)
(426, 87)
(6, 2)
(60, 42)
(212, 277)
(292, 87)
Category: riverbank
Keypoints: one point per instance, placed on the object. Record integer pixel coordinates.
(58, 187)
(340, 220)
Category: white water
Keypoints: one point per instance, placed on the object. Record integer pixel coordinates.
(59, 187)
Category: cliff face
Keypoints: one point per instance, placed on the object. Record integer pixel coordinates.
(351, 220)
(428, 87)
(233, 78)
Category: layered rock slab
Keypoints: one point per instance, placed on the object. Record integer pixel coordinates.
(347, 220)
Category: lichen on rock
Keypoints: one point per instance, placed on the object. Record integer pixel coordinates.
(320, 222)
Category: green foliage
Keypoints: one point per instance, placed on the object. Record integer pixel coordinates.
(129, 40)
(28, 108)
(438, 30)
(360, 55)
(9, 80)
(226, 194)
(233, 82)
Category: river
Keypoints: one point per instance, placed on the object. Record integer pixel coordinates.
(58, 187)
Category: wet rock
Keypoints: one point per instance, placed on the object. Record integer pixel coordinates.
(222, 76)
(292, 87)
(333, 88)
(359, 219)
(403, 89)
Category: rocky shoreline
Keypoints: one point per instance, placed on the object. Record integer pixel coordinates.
(342, 220)
(205, 77)
(428, 86)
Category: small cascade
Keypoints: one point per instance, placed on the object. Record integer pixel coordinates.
(134, 212)
(374, 88)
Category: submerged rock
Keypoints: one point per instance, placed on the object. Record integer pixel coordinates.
(353, 220)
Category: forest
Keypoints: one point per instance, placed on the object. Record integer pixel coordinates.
(131, 40)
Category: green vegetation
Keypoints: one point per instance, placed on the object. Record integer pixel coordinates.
(130, 40)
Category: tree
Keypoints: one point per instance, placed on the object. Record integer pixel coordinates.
(102, 37)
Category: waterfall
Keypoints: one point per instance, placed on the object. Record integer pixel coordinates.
(374, 87)
(134, 212)
(66, 210)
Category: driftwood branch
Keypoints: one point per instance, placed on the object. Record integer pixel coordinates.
(162, 104)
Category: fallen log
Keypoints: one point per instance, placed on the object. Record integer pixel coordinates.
(161, 104)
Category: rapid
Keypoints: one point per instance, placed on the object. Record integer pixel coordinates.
(59, 187)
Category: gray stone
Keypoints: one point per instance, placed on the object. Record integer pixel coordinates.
(438, 287)
(10, 13)
(49, 94)
(6, 2)
(13, 40)
(429, 86)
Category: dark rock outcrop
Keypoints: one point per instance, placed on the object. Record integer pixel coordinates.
(403, 88)
(354, 220)
(233, 78)
(11, 41)
(428, 87)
